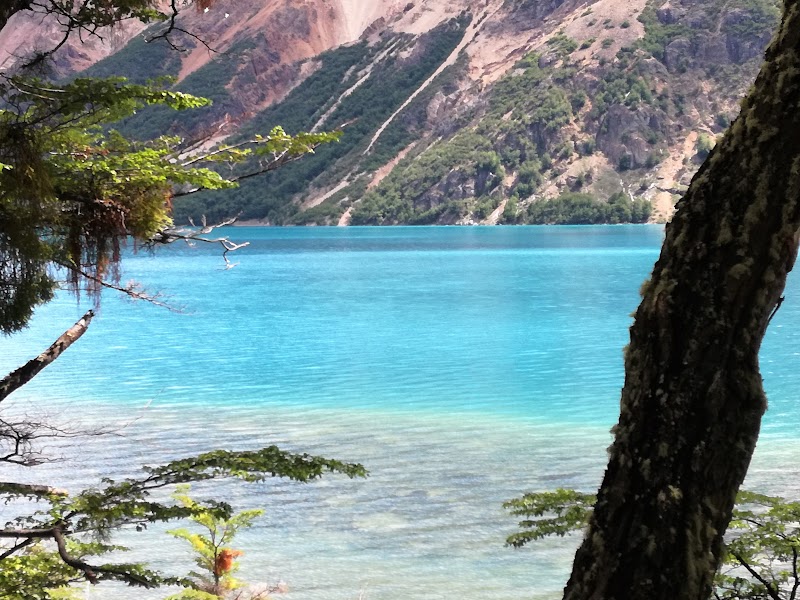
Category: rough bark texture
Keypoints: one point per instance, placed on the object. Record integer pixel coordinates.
(693, 399)
(16, 379)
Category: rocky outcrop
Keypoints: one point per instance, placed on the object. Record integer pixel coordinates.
(457, 185)
(734, 35)
(624, 133)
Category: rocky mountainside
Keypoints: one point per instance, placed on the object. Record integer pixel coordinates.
(498, 111)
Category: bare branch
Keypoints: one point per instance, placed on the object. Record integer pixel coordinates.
(172, 27)
(57, 533)
(16, 548)
(17, 439)
(768, 586)
(16, 379)
(132, 289)
(190, 236)
(35, 534)
(28, 489)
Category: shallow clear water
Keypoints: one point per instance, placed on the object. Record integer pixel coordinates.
(462, 366)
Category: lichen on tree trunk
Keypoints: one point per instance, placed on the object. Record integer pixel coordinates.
(693, 399)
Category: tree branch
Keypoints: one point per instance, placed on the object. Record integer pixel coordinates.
(33, 534)
(168, 236)
(16, 548)
(771, 591)
(28, 489)
(172, 27)
(16, 379)
(90, 572)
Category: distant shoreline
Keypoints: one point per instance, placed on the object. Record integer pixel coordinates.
(260, 223)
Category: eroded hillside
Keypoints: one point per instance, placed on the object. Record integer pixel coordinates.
(499, 111)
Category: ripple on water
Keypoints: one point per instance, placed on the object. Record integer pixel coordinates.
(463, 367)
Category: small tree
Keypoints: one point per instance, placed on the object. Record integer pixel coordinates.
(213, 554)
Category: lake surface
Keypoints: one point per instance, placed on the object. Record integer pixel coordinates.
(461, 366)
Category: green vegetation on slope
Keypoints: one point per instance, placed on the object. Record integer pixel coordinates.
(525, 114)
(547, 113)
(362, 112)
(583, 209)
(140, 61)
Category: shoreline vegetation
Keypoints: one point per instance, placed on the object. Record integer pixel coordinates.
(566, 209)
(257, 223)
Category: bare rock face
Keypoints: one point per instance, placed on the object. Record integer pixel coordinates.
(736, 36)
(457, 185)
(531, 11)
(623, 135)
(668, 14)
(743, 43)
(375, 27)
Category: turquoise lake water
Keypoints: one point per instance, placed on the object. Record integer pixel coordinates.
(462, 366)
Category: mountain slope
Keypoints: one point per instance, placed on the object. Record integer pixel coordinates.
(509, 111)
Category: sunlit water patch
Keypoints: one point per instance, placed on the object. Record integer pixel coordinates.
(462, 366)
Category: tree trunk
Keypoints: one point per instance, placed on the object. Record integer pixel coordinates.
(693, 399)
(19, 377)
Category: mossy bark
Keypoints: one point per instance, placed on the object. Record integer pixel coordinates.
(693, 398)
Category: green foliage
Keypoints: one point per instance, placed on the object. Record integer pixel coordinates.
(761, 549)
(527, 111)
(704, 144)
(549, 513)
(72, 192)
(658, 36)
(209, 81)
(626, 86)
(722, 121)
(38, 573)
(213, 554)
(97, 513)
(509, 216)
(399, 197)
(587, 147)
(761, 554)
(562, 44)
(529, 178)
(363, 110)
(139, 61)
(762, 18)
(582, 209)
(532, 97)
